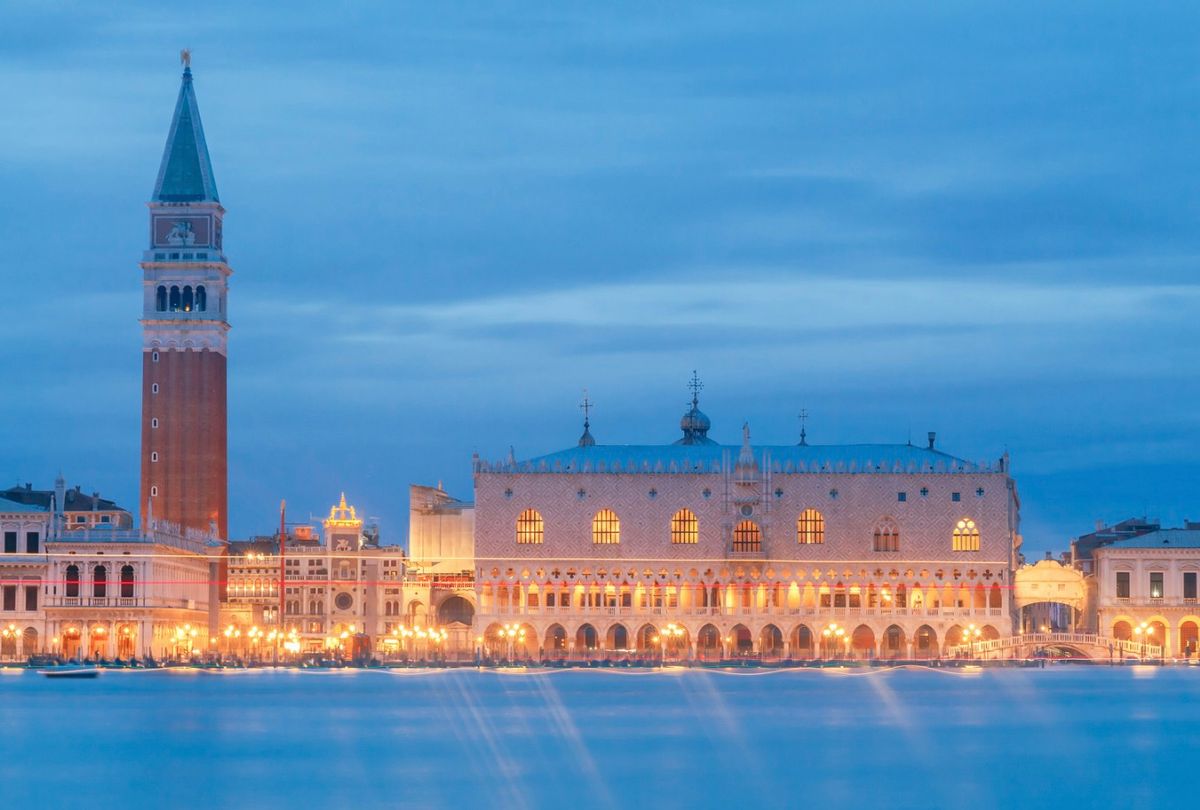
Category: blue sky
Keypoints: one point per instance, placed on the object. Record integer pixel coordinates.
(447, 219)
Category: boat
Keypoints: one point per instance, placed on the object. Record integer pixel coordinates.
(72, 672)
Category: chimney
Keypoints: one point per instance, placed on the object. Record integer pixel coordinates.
(932, 439)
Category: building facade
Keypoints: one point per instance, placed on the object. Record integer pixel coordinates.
(1147, 589)
(23, 562)
(342, 592)
(696, 549)
(185, 322)
(439, 585)
(124, 593)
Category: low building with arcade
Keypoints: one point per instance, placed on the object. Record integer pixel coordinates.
(1147, 589)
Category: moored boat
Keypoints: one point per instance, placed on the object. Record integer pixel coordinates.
(71, 672)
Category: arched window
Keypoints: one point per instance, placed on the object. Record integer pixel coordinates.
(160, 299)
(174, 305)
(201, 299)
(187, 299)
(747, 536)
(530, 528)
(99, 582)
(810, 527)
(684, 527)
(887, 535)
(72, 580)
(966, 536)
(126, 581)
(606, 528)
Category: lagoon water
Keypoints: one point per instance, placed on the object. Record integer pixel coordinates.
(1059, 737)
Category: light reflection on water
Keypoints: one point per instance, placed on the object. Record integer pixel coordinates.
(1062, 736)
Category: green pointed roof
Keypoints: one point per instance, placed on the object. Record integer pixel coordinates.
(186, 173)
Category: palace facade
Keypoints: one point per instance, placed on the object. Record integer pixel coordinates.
(696, 549)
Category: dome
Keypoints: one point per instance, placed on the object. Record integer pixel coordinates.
(694, 421)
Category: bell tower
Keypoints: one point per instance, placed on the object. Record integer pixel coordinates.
(184, 326)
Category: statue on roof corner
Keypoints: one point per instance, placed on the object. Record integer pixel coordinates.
(185, 57)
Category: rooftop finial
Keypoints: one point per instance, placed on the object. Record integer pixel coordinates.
(185, 58)
(695, 424)
(803, 427)
(696, 387)
(586, 439)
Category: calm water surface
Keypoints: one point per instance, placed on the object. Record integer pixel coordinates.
(1061, 737)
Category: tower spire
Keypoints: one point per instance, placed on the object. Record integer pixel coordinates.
(586, 439)
(185, 174)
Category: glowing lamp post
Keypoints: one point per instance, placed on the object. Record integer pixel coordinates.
(835, 635)
(511, 633)
(1143, 632)
(255, 635)
(972, 634)
(670, 632)
(10, 637)
(185, 637)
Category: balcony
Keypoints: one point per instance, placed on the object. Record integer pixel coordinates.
(839, 612)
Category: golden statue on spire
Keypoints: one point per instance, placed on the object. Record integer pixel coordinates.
(185, 57)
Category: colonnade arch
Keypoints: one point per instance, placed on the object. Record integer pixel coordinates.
(913, 639)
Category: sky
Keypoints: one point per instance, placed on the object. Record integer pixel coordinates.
(447, 219)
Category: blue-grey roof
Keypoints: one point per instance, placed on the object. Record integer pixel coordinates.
(865, 457)
(13, 506)
(186, 173)
(1163, 538)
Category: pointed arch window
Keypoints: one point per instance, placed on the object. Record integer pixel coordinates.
(685, 528)
(747, 536)
(530, 527)
(966, 536)
(810, 527)
(887, 535)
(606, 528)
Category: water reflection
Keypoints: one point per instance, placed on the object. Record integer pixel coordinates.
(599, 738)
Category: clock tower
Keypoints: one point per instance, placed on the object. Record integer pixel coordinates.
(185, 324)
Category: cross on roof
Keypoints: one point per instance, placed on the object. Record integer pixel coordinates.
(586, 407)
(696, 387)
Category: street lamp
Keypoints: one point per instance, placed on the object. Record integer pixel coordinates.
(10, 635)
(671, 631)
(185, 636)
(254, 634)
(834, 634)
(511, 633)
(971, 634)
(1145, 629)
